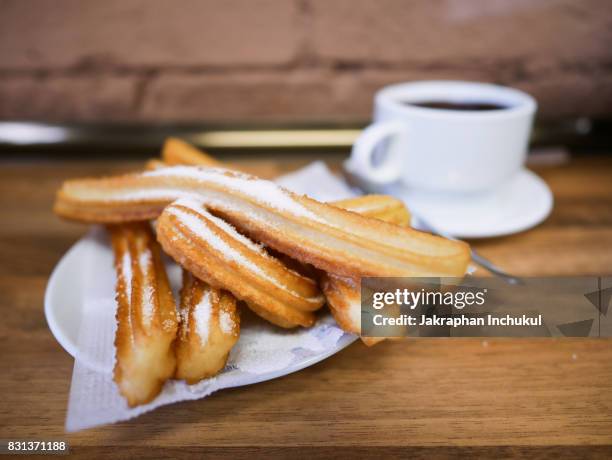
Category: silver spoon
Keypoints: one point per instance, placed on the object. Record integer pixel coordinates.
(476, 257)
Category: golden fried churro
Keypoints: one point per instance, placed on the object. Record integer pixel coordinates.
(330, 238)
(382, 207)
(209, 328)
(178, 152)
(344, 294)
(215, 252)
(146, 314)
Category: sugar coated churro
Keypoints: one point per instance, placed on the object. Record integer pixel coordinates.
(146, 314)
(216, 252)
(330, 238)
(209, 328)
(382, 207)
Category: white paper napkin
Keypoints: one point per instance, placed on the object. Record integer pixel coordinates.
(263, 351)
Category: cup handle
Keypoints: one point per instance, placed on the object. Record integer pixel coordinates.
(363, 149)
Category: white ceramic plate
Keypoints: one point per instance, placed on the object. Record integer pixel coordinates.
(65, 297)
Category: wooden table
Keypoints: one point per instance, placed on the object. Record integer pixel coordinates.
(419, 398)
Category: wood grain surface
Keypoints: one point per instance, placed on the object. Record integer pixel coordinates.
(423, 398)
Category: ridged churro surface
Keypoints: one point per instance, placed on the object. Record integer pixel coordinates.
(382, 207)
(209, 328)
(330, 238)
(146, 314)
(217, 253)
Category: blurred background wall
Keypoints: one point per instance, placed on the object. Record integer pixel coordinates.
(299, 60)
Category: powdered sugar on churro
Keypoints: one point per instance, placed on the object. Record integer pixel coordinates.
(162, 194)
(148, 305)
(207, 234)
(198, 227)
(201, 314)
(262, 191)
(226, 322)
(126, 274)
(198, 206)
(144, 259)
(184, 316)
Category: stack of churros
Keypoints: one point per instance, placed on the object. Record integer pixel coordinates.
(240, 240)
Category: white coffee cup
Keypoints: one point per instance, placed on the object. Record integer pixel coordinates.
(445, 149)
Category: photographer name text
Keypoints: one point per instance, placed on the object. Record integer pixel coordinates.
(458, 320)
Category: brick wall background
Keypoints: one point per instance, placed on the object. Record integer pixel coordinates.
(301, 60)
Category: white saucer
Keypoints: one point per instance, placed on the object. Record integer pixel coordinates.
(514, 206)
(519, 204)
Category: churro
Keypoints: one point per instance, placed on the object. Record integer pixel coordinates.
(330, 238)
(343, 295)
(215, 252)
(178, 152)
(209, 328)
(146, 314)
(382, 207)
